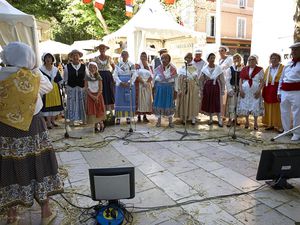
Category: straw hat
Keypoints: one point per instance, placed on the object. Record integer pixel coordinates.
(102, 44)
(75, 51)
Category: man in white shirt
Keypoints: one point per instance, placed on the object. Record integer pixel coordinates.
(198, 62)
(289, 93)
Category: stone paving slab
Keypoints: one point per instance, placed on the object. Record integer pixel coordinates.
(174, 172)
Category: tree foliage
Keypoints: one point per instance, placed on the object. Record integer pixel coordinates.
(72, 20)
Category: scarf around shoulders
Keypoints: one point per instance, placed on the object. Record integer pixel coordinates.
(214, 75)
(161, 71)
(245, 74)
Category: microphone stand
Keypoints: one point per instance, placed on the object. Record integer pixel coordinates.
(130, 103)
(184, 98)
(236, 94)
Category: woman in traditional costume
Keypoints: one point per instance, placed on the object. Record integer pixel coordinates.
(225, 62)
(52, 101)
(166, 83)
(212, 86)
(187, 102)
(124, 76)
(251, 84)
(232, 80)
(272, 116)
(28, 165)
(95, 108)
(74, 74)
(106, 66)
(144, 93)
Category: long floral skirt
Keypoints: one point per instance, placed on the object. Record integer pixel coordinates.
(28, 166)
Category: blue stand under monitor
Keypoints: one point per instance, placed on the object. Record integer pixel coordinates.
(110, 214)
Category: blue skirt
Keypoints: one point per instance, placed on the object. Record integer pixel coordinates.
(164, 99)
(122, 101)
(75, 104)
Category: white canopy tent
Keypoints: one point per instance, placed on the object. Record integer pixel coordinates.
(54, 47)
(86, 44)
(151, 22)
(17, 26)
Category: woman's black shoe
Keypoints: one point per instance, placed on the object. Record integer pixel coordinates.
(145, 119)
(139, 118)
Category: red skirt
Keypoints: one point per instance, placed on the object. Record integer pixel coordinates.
(211, 97)
(94, 108)
(269, 93)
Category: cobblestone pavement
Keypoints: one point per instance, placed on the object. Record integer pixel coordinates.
(174, 172)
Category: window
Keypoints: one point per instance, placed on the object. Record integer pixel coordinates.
(241, 27)
(242, 3)
(211, 25)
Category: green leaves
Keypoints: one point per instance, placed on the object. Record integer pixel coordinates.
(72, 20)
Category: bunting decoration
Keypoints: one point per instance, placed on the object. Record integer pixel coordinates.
(99, 4)
(87, 1)
(170, 1)
(129, 8)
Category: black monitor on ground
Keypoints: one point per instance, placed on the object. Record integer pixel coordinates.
(112, 183)
(278, 166)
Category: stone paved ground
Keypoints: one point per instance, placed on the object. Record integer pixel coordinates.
(174, 172)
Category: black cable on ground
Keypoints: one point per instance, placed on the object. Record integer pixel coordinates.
(148, 209)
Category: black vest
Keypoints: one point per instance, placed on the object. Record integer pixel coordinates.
(157, 62)
(233, 74)
(76, 78)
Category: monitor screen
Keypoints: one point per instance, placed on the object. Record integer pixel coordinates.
(275, 164)
(112, 183)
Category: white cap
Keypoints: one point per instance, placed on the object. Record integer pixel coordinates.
(224, 47)
(295, 45)
(18, 54)
(198, 51)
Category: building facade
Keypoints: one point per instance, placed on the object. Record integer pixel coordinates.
(235, 22)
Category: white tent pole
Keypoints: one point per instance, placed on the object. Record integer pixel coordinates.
(36, 43)
(131, 37)
(218, 23)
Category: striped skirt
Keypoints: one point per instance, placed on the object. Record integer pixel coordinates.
(75, 104)
(164, 99)
(123, 106)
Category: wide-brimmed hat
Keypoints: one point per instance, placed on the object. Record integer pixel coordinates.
(75, 51)
(102, 44)
(295, 45)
